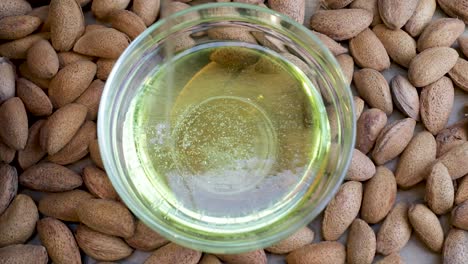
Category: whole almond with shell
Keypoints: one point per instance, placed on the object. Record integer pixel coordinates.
(431, 65)
(442, 32)
(460, 216)
(462, 191)
(50, 177)
(18, 222)
(104, 43)
(17, 49)
(369, 5)
(127, 22)
(7, 154)
(368, 51)
(98, 183)
(327, 252)
(361, 243)
(436, 104)
(395, 231)
(15, 27)
(361, 167)
(173, 253)
(341, 24)
(395, 13)
(335, 47)
(95, 153)
(14, 120)
(405, 96)
(91, 98)
(369, 125)
(302, 237)
(374, 89)
(458, 74)
(34, 98)
(24, 254)
(66, 23)
(358, 106)
(455, 8)
(421, 17)
(69, 57)
(63, 205)
(104, 68)
(42, 60)
(26, 73)
(400, 46)
(347, 67)
(145, 238)
(7, 79)
(463, 43)
(455, 246)
(455, 159)
(8, 185)
(294, 9)
(427, 226)
(33, 152)
(14, 8)
(148, 10)
(439, 189)
(391, 259)
(103, 8)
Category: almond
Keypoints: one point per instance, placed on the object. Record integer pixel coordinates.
(7, 154)
(368, 51)
(395, 231)
(18, 222)
(7, 79)
(336, 4)
(34, 98)
(395, 13)
(66, 23)
(14, 8)
(374, 89)
(442, 32)
(98, 183)
(15, 27)
(24, 254)
(107, 216)
(358, 106)
(455, 159)
(421, 17)
(436, 104)
(59, 241)
(101, 246)
(379, 196)
(393, 139)
(231, 33)
(42, 13)
(294, 9)
(26, 73)
(42, 60)
(430, 65)
(414, 163)
(127, 22)
(391, 259)
(33, 152)
(14, 120)
(95, 153)
(335, 47)
(427, 226)
(91, 98)
(104, 43)
(361, 243)
(50, 177)
(69, 57)
(369, 125)
(458, 74)
(104, 68)
(342, 210)
(341, 24)
(61, 126)
(455, 8)
(369, 5)
(70, 82)
(347, 67)
(17, 49)
(145, 238)
(400, 46)
(463, 43)
(63, 205)
(102, 8)
(301, 238)
(77, 148)
(405, 96)
(148, 10)
(361, 168)
(439, 189)
(209, 259)
(455, 247)
(91, 27)
(462, 191)
(173, 253)
(172, 8)
(327, 252)
(8, 185)
(459, 216)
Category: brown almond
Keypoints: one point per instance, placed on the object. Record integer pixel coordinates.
(391, 259)
(361, 168)
(335, 47)
(430, 65)
(102, 8)
(17, 49)
(294, 9)
(455, 247)
(347, 67)
(61, 127)
(374, 89)
(442, 32)
(7, 154)
(455, 8)
(63, 205)
(302, 237)
(358, 106)
(421, 17)
(59, 241)
(66, 23)
(77, 148)
(231, 33)
(101, 246)
(104, 43)
(104, 68)
(69, 57)
(209, 259)
(395, 13)
(145, 238)
(463, 43)
(368, 51)
(400, 46)
(91, 27)
(33, 152)
(148, 10)
(395, 231)
(379, 196)
(459, 216)
(91, 98)
(24, 254)
(34, 98)
(50, 177)
(327, 252)
(369, 5)
(458, 74)
(26, 73)
(342, 210)
(173, 253)
(7, 79)
(98, 183)
(107, 216)
(18, 222)
(414, 163)
(393, 139)
(42, 12)
(369, 126)
(455, 161)
(336, 4)
(14, 8)
(427, 226)
(42, 60)
(95, 153)
(405, 96)
(436, 104)
(8, 185)
(14, 120)
(341, 24)
(439, 189)
(462, 191)
(361, 245)
(15, 27)
(70, 82)
(127, 22)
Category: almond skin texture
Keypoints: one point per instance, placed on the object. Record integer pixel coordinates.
(395, 231)
(14, 120)
(436, 104)
(459, 216)
(128, 23)
(107, 216)
(69, 57)
(400, 46)
(42, 60)
(50, 177)
(91, 98)
(336, 4)
(335, 47)
(14, 8)
(361, 168)
(441, 33)
(173, 253)
(17, 49)
(104, 43)
(458, 74)
(369, 5)
(8, 185)
(368, 51)
(26, 73)
(369, 125)
(341, 24)
(301, 238)
(70, 82)
(24, 254)
(414, 163)
(63, 205)
(18, 221)
(95, 154)
(148, 10)
(102, 8)
(455, 247)
(59, 241)
(34, 98)
(292, 8)
(395, 13)
(15, 27)
(439, 189)
(7, 79)
(361, 243)
(463, 43)
(427, 226)
(391, 259)
(33, 152)
(374, 89)
(66, 23)
(455, 8)
(462, 191)
(61, 126)
(379, 196)
(145, 238)
(405, 96)
(422, 16)
(455, 159)
(7, 154)
(347, 66)
(342, 210)
(104, 68)
(254, 257)
(101, 246)
(358, 106)
(98, 183)
(327, 252)
(392, 140)
(430, 65)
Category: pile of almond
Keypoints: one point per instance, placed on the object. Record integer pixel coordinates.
(53, 67)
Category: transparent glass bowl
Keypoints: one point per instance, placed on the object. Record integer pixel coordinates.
(187, 30)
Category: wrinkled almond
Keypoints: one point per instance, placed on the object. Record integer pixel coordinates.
(69, 57)
(442, 32)
(400, 46)
(361, 243)
(98, 183)
(14, 120)
(369, 126)
(127, 22)
(294, 9)
(17, 49)
(18, 222)
(145, 238)
(458, 74)
(455, 247)
(436, 104)
(26, 73)
(341, 24)
(24, 254)
(63, 205)
(374, 89)
(102, 8)
(34, 98)
(455, 159)
(405, 96)
(33, 152)
(302, 237)
(66, 23)
(327, 252)
(395, 13)
(361, 168)
(430, 65)
(50, 177)
(439, 189)
(395, 231)
(42, 60)
(14, 8)
(104, 43)
(148, 10)
(15, 27)
(427, 226)
(455, 8)
(368, 51)
(421, 17)
(369, 5)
